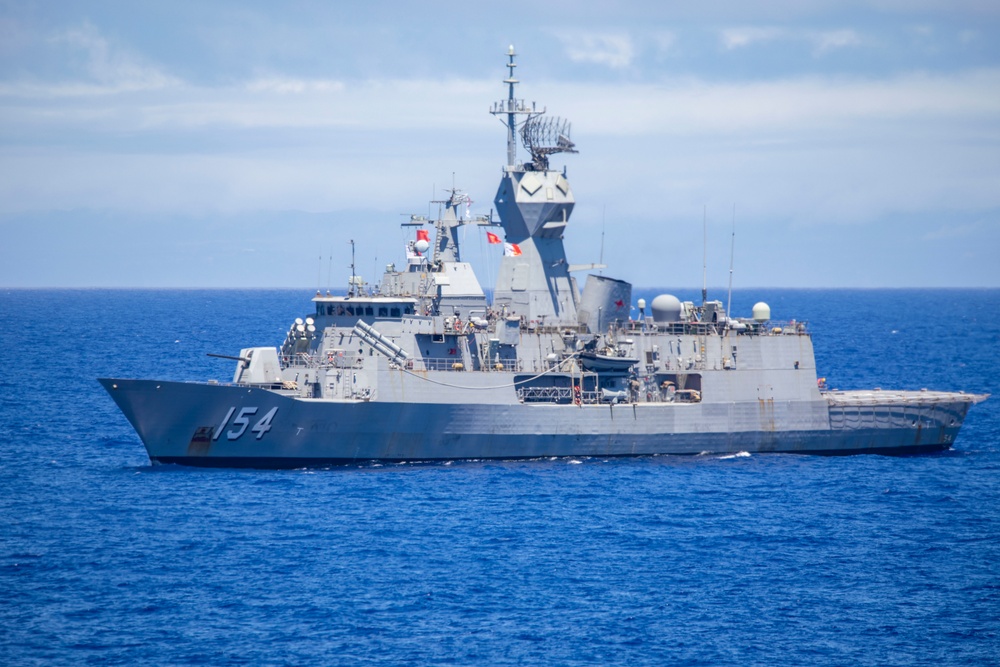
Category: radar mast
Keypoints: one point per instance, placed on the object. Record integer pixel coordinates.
(512, 108)
(541, 136)
(534, 204)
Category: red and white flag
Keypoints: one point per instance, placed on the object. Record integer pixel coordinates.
(492, 238)
(511, 250)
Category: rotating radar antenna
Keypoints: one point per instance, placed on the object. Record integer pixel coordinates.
(544, 136)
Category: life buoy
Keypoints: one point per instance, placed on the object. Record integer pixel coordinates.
(458, 325)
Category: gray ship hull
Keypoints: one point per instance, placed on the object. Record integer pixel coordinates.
(208, 424)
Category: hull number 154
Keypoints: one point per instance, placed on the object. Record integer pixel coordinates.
(242, 421)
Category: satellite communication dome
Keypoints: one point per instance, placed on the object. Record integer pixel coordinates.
(761, 312)
(421, 246)
(666, 308)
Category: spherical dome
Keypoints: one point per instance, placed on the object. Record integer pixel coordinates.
(666, 308)
(421, 246)
(761, 312)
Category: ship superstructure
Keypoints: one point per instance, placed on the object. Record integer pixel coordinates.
(425, 367)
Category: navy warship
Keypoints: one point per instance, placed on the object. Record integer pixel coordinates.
(424, 367)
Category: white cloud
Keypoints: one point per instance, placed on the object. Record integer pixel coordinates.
(614, 50)
(664, 41)
(834, 39)
(974, 229)
(90, 121)
(737, 38)
(821, 40)
(111, 68)
(283, 86)
(677, 107)
(673, 107)
(276, 102)
(805, 151)
(685, 107)
(813, 151)
(968, 36)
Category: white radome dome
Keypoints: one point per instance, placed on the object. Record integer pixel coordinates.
(666, 308)
(761, 312)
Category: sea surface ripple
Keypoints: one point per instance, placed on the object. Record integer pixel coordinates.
(707, 560)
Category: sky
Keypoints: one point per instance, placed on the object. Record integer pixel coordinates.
(244, 143)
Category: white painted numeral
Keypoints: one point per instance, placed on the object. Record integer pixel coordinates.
(222, 424)
(264, 425)
(242, 422)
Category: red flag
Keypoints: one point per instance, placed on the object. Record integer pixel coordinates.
(620, 303)
(423, 235)
(492, 238)
(511, 250)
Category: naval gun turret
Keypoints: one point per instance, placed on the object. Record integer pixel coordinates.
(534, 203)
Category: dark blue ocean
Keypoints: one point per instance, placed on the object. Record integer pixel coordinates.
(743, 560)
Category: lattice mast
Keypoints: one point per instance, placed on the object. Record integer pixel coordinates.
(541, 136)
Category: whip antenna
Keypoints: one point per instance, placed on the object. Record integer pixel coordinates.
(732, 252)
(704, 254)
